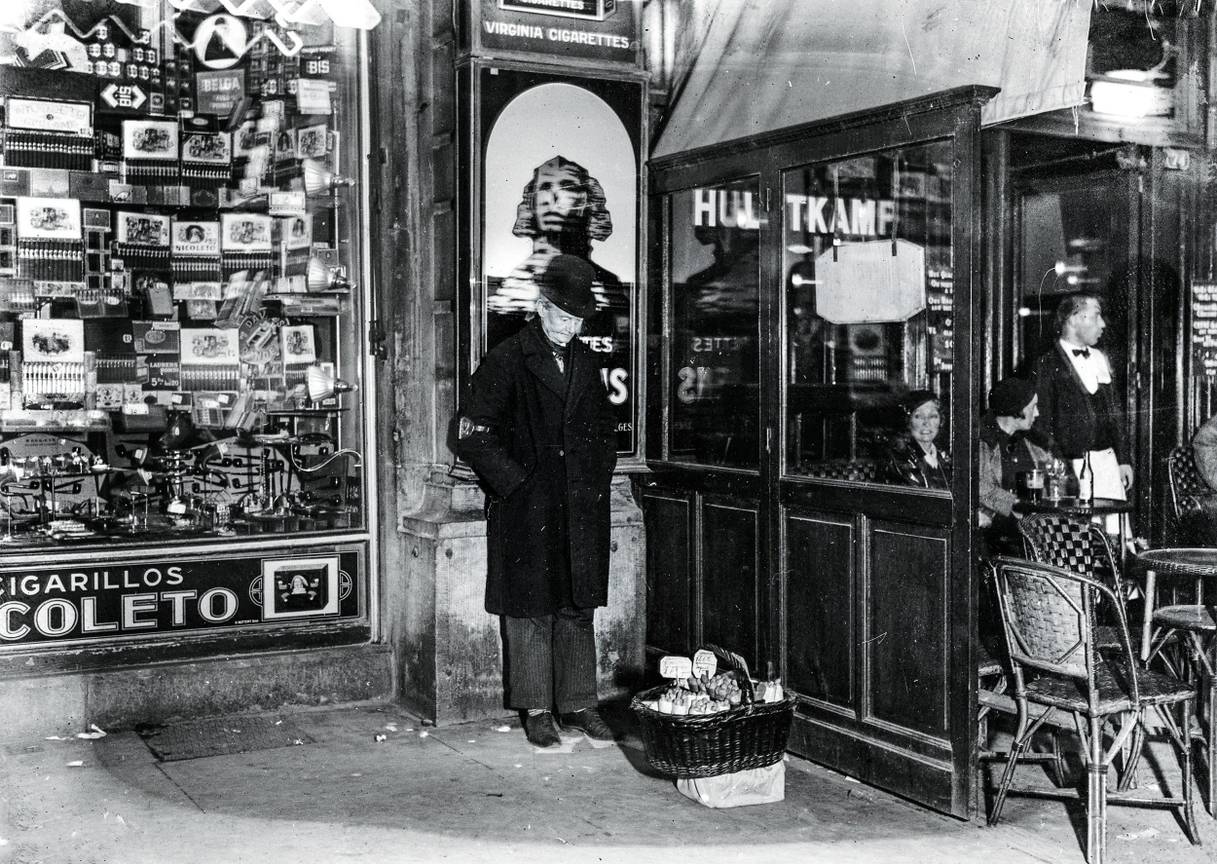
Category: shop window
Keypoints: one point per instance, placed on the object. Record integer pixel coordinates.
(179, 239)
(714, 350)
(868, 308)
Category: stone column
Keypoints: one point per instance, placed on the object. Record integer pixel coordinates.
(453, 663)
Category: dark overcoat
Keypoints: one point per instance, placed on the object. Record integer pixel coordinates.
(544, 446)
(1069, 415)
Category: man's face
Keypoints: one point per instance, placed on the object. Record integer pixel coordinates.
(559, 326)
(558, 198)
(1087, 323)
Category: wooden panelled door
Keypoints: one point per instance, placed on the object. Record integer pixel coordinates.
(814, 283)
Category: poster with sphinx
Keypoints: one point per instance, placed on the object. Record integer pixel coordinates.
(560, 167)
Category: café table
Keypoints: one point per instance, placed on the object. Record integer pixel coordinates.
(1072, 506)
(1196, 622)
(1196, 563)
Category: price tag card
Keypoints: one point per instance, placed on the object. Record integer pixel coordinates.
(704, 661)
(675, 667)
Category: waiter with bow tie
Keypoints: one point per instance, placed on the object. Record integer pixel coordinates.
(1078, 405)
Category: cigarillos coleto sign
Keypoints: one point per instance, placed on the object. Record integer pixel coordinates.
(87, 600)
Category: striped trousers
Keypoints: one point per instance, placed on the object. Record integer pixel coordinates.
(550, 661)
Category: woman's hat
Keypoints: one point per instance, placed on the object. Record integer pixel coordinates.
(1010, 396)
(567, 283)
(916, 399)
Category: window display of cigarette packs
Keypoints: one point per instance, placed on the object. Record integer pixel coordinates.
(173, 245)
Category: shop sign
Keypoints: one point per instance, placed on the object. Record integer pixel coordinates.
(572, 29)
(123, 96)
(1204, 329)
(88, 600)
(219, 92)
(824, 215)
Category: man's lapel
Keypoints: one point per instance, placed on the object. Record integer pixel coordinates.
(583, 372)
(539, 358)
(1070, 368)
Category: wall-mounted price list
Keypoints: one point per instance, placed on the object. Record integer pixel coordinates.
(1204, 329)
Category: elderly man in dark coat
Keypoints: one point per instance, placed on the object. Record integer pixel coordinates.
(539, 432)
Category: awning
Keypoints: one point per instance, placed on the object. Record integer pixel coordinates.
(767, 64)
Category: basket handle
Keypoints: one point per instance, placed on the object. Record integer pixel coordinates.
(740, 666)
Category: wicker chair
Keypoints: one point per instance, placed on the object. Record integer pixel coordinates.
(1071, 544)
(858, 470)
(1193, 516)
(1079, 545)
(992, 695)
(1048, 616)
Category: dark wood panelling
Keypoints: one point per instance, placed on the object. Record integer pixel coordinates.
(906, 656)
(924, 779)
(819, 608)
(668, 521)
(729, 577)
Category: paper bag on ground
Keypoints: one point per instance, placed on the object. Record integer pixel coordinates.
(739, 788)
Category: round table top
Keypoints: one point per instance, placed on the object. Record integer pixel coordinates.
(1072, 506)
(1184, 561)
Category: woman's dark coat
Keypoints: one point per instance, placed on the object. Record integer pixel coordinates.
(907, 465)
(544, 446)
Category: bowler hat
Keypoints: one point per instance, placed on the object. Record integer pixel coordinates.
(567, 283)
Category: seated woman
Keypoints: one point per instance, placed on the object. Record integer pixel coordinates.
(1008, 447)
(914, 456)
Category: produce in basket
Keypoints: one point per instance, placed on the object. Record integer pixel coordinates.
(704, 695)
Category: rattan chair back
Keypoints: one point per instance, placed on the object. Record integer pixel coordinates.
(1072, 543)
(1184, 478)
(1048, 615)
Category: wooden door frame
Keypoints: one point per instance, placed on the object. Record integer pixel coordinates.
(953, 115)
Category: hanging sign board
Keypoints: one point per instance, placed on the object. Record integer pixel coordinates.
(1204, 329)
(871, 282)
(593, 30)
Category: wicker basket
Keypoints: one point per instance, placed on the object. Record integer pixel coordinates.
(706, 745)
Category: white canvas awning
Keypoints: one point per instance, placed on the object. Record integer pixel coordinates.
(767, 64)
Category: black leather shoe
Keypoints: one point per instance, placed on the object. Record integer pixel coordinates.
(539, 730)
(591, 724)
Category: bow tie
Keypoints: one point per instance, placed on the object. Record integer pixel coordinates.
(1081, 352)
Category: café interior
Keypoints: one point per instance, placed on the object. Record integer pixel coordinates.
(912, 254)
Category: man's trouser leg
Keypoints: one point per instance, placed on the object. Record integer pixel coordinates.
(551, 661)
(574, 660)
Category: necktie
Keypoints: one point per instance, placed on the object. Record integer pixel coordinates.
(1081, 352)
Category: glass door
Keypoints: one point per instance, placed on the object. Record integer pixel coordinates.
(868, 513)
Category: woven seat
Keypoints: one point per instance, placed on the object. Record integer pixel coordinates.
(1186, 617)
(1048, 616)
(1111, 681)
